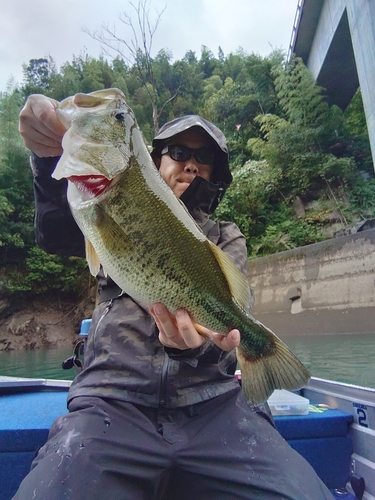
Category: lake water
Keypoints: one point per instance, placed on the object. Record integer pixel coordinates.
(346, 358)
(38, 363)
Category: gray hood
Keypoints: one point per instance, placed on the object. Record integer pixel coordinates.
(221, 172)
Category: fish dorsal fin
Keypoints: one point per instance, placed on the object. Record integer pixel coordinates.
(92, 258)
(238, 286)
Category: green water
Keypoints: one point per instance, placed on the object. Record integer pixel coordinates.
(346, 358)
(38, 363)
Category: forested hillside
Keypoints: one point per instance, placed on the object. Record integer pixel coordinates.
(302, 170)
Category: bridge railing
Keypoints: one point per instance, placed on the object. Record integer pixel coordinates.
(297, 19)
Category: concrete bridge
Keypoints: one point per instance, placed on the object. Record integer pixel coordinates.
(336, 40)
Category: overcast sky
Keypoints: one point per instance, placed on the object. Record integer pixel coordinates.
(32, 29)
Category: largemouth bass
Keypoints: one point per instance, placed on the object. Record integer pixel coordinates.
(148, 243)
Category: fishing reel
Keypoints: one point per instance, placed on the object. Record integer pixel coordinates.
(74, 360)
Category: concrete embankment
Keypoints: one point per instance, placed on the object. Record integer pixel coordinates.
(327, 287)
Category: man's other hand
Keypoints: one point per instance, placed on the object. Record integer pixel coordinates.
(39, 127)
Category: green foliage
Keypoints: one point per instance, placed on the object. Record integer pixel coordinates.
(266, 219)
(286, 145)
(16, 196)
(39, 76)
(286, 235)
(24, 267)
(300, 98)
(356, 134)
(246, 200)
(43, 272)
(306, 150)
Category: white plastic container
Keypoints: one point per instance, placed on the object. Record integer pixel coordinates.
(282, 402)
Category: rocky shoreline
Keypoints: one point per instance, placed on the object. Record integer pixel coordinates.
(43, 322)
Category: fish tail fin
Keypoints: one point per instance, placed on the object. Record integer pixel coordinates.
(280, 369)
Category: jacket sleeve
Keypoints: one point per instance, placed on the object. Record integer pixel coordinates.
(56, 231)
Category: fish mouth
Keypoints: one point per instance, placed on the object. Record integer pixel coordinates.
(91, 185)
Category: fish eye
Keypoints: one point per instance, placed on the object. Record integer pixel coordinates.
(120, 115)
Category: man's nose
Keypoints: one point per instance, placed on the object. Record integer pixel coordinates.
(191, 165)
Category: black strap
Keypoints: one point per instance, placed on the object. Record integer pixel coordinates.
(207, 226)
(110, 292)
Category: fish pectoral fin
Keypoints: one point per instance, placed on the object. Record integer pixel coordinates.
(238, 286)
(115, 240)
(92, 258)
(279, 369)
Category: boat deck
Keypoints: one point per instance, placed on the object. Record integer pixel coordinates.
(27, 411)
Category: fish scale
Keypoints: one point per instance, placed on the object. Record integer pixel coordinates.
(149, 244)
(182, 285)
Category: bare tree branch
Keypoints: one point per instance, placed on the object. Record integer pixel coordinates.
(136, 49)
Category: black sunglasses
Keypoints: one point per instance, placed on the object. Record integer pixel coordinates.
(183, 153)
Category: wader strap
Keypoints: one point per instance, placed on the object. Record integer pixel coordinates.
(111, 291)
(207, 226)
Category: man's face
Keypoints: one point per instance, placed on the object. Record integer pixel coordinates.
(179, 174)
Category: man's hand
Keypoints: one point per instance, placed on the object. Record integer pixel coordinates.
(178, 331)
(40, 129)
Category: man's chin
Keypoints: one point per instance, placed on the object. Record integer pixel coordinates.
(181, 188)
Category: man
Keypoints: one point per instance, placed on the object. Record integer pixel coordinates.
(157, 412)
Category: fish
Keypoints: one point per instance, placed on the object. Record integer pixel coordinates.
(147, 242)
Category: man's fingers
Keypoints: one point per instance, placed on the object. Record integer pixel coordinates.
(42, 145)
(187, 330)
(164, 320)
(175, 331)
(179, 331)
(39, 127)
(228, 342)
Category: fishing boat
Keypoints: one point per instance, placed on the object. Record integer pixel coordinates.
(331, 424)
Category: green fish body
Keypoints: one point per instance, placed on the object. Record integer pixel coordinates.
(148, 243)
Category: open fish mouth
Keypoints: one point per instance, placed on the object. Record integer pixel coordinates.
(91, 185)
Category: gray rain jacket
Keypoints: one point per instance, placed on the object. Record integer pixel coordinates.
(124, 358)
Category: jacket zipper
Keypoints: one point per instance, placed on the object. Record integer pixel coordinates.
(164, 381)
(105, 312)
(164, 375)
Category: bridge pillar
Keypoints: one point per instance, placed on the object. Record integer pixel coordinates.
(361, 17)
(336, 40)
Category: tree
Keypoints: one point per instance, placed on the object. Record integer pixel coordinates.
(253, 203)
(248, 91)
(25, 268)
(15, 182)
(39, 76)
(355, 126)
(207, 63)
(188, 79)
(286, 146)
(135, 49)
